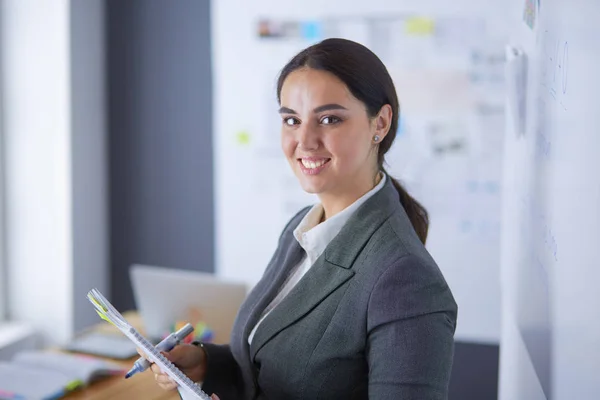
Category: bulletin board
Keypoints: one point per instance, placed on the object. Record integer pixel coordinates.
(449, 74)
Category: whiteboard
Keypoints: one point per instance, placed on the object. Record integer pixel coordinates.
(448, 68)
(551, 207)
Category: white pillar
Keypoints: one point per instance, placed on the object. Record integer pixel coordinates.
(54, 134)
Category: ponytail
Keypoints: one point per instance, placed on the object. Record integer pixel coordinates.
(417, 214)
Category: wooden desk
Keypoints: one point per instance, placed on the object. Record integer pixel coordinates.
(141, 386)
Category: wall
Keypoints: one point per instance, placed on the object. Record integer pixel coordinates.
(160, 124)
(250, 171)
(248, 164)
(54, 134)
(88, 157)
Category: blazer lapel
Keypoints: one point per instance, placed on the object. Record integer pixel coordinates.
(288, 254)
(330, 271)
(369, 217)
(322, 279)
(272, 282)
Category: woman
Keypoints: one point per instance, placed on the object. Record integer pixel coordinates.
(351, 305)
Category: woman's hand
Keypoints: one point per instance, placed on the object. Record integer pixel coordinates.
(190, 359)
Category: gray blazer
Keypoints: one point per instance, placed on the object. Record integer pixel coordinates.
(373, 318)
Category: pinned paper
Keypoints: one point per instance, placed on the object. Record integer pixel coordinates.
(529, 13)
(420, 26)
(516, 88)
(400, 129)
(311, 30)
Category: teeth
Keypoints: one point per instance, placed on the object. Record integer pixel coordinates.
(312, 164)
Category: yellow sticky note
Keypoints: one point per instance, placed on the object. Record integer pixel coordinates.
(242, 137)
(98, 304)
(420, 26)
(104, 317)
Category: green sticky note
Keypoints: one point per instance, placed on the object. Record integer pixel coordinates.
(73, 385)
(243, 137)
(104, 317)
(420, 26)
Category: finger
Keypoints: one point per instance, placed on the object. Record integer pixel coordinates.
(143, 355)
(156, 369)
(168, 386)
(215, 397)
(164, 379)
(177, 354)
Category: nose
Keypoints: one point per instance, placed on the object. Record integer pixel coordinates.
(308, 139)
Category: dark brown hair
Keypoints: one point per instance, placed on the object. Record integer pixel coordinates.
(368, 80)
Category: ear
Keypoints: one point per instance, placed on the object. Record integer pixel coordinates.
(383, 121)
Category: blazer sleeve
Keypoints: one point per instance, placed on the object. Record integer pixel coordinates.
(411, 323)
(223, 376)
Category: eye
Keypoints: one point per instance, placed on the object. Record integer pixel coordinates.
(291, 121)
(330, 120)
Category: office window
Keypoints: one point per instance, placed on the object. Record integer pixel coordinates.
(3, 284)
(3, 288)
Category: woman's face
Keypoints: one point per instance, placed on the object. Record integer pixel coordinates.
(326, 134)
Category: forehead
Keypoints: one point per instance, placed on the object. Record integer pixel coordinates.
(312, 86)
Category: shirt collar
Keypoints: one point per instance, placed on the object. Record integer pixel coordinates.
(314, 237)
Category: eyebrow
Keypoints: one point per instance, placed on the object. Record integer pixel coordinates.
(325, 107)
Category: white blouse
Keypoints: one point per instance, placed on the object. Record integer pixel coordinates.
(314, 237)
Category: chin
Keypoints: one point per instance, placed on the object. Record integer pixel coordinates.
(311, 187)
(315, 184)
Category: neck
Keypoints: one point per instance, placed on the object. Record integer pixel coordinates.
(333, 203)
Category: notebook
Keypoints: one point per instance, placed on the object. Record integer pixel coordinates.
(45, 375)
(188, 390)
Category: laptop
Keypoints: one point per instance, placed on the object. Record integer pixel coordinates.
(167, 296)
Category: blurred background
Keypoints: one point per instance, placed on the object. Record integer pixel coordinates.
(146, 131)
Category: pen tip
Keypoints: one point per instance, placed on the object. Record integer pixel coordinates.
(128, 375)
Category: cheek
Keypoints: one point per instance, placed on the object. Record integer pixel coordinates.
(348, 149)
(288, 144)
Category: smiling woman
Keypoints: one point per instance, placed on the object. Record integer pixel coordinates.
(328, 140)
(355, 114)
(351, 306)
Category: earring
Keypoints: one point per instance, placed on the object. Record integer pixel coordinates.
(376, 138)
